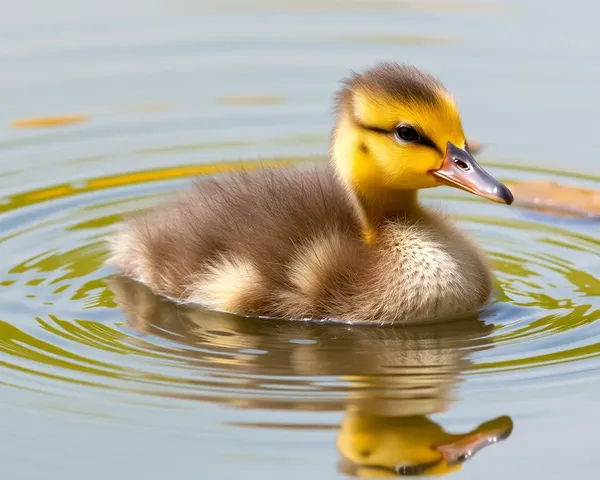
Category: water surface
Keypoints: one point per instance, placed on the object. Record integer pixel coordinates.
(114, 106)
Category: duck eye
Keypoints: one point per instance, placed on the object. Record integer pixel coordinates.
(409, 470)
(407, 134)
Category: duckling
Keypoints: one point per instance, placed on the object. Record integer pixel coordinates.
(374, 446)
(346, 240)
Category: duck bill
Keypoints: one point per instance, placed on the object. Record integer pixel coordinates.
(458, 451)
(461, 170)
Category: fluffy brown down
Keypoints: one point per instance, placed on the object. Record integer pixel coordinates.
(287, 243)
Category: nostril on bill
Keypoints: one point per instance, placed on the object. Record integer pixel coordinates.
(461, 164)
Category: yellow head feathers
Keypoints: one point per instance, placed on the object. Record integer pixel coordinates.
(398, 130)
(376, 109)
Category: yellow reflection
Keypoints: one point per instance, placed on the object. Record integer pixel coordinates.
(49, 121)
(388, 380)
(32, 197)
(380, 446)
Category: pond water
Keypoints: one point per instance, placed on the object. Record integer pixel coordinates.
(113, 106)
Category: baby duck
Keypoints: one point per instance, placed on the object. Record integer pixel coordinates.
(347, 240)
(375, 446)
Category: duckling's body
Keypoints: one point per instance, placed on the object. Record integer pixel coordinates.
(346, 241)
(287, 243)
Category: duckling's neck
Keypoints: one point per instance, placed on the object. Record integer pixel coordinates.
(378, 206)
(375, 202)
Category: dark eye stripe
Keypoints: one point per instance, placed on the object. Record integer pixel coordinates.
(405, 470)
(424, 140)
(375, 129)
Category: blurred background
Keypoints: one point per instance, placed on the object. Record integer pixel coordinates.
(108, 106)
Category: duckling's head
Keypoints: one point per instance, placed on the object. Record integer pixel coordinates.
(398, 130)
(375, 446)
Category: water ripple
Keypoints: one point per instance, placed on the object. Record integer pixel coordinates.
(63, 321)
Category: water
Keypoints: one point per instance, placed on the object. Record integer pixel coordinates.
(99, 378)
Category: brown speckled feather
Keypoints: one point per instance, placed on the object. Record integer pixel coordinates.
(248, 226)
(287, 243)
(403, 82)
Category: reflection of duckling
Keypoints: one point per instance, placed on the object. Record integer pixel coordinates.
(381, 446)
(407, 371)
(349, 242)
(396, 377)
